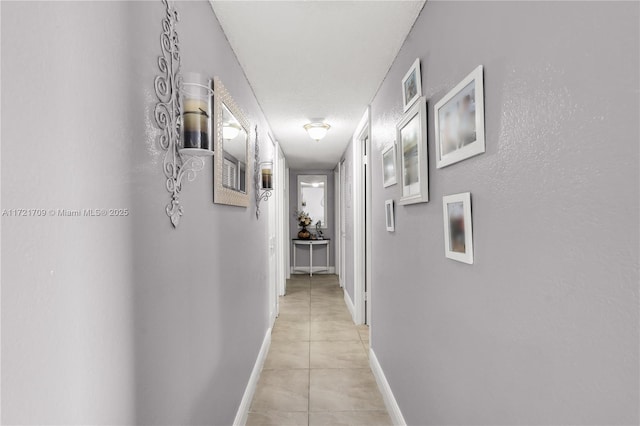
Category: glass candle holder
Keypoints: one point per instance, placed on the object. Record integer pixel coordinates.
(266, 173)
(196, 111)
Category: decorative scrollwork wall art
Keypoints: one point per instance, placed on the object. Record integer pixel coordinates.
(168, 115)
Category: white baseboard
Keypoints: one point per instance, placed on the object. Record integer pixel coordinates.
(245, 404)
(389, 400)
(349, 303)
(316, 270)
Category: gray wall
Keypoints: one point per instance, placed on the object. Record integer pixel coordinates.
(543, 328)
(302, 254)
(118, 320)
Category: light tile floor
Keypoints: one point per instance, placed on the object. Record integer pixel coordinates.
(317, 370)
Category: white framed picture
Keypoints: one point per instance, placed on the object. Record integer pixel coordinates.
(458, 232)
(389, 165)
(411, 134)
(411, 85)
(389, 216)
(459, 121)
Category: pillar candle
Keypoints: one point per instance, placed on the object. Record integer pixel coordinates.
(267, 179)
(196, 124)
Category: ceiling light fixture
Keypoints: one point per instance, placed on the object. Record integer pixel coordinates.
(230, 131)
(317, 130)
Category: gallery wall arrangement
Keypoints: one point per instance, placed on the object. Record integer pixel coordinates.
(459, 134)
(522, 267)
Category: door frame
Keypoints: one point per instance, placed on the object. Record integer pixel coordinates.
(343, 221)
(273, 238)
(362, 228)
(337, 184)
(283, 182)
(278, 230)
(286, 179)
(283, 225)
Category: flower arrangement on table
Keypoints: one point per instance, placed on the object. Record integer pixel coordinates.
(304, 220)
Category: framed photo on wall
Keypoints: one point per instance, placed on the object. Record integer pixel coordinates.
(459, 121)
(389, 165)
(411, 85)
(389, 216)
(458, 232)
(411, 134)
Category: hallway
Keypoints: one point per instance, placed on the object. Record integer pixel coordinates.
(467, 171)
(317, 370)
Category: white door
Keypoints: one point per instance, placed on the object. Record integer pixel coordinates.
(272, 215)
(362, 223)
(366, 179)
(283, 223)
(336, 215)
(273, 268)
(343, 218)
(287, 232)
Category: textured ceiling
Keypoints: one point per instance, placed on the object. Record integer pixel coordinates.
(310, 60)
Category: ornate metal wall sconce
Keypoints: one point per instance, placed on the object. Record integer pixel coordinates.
(179, 160)
(262, 176)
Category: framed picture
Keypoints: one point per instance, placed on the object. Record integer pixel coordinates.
(411, 85)
(459, 120)
(388, 214)
(411, 134)
(389, 165)
(458, 232)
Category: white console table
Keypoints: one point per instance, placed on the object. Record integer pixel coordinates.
(311, 244)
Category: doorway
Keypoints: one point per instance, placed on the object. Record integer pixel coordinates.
(342, 233)
(273, 207)
(362, 221)
(278, 229)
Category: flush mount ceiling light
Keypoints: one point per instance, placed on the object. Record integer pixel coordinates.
(230, 131)
(317, 130)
